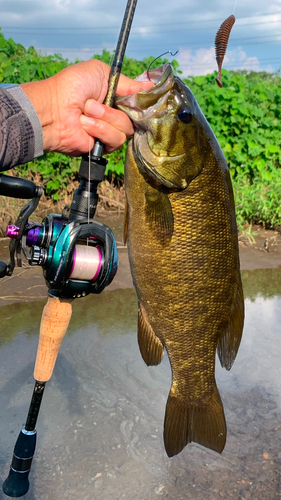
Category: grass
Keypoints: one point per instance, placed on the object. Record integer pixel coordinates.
(111, 199)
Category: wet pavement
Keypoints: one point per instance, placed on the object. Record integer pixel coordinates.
(101, 421)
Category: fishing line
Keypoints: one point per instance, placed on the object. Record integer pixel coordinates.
(164, 53)
(87, 259)
(89, 191)
(112, 55)
(234, 7)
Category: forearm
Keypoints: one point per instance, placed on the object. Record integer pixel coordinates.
(63, 113)
(42, 95)
(20, 129)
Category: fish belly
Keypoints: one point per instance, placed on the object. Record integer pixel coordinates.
(190, 299)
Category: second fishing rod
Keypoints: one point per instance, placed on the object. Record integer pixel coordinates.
(78, 256)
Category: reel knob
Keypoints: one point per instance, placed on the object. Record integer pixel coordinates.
(38, 256)
(3, 269)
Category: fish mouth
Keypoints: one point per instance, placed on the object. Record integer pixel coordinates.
(140, 107)
(136, 106)
(157, 75)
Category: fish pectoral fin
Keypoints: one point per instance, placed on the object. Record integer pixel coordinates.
(203, 424)
(159, 215)
(151, 347)
(228, 343)
(126, 222)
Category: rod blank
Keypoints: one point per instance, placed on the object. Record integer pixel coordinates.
(116, 67)
(55, 319)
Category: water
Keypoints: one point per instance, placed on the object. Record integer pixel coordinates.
(101, 422)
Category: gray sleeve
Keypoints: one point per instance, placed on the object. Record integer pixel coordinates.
(21, 138)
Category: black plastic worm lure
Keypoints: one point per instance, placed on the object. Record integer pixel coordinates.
(221, 42)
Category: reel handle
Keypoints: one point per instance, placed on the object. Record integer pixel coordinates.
(54, 323)
(16, 187)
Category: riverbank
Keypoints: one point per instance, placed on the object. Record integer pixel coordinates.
(259, 249)
(104, 409)
(111, 204)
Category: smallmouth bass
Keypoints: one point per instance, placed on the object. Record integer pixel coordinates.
(183, 249)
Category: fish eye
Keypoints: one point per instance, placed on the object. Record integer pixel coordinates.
(184, 114)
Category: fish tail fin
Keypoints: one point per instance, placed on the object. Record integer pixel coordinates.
(204, 424)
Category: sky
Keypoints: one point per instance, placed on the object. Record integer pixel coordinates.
(82, 28)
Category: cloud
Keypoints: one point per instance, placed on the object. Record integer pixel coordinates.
(238, 59)
(62, 4)
(143, 31)
(203, 61)
(70, 25)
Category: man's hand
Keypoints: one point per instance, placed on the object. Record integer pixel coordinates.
(70, 109)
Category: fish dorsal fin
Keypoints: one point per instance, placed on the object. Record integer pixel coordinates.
(230, 339)
(151, 347)
(159, 215)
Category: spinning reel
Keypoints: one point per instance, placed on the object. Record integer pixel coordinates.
(78, 254)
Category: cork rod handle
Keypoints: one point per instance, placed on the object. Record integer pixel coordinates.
(54, 323)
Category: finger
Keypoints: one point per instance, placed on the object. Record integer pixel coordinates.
(115, 117)
(127, 86)
(108, 134)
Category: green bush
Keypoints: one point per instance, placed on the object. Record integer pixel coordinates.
(20, 65)
(244, 114)
(56, 171)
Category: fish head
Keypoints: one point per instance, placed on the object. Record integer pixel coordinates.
(170, 140)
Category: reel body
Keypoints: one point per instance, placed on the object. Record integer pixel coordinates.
(78, 254)
(77, 257)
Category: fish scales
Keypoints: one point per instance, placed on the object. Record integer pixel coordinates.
(187, 281)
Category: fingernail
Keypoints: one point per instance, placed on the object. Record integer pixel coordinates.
(87, 121)
(94, 108)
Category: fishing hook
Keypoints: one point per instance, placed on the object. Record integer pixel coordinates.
(168, 52)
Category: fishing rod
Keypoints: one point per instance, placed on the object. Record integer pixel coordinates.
(78, 256)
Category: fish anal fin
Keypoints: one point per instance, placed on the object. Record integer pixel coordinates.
(203, 424)
(151, 347)
(126, 222)
(228, 343)
(159, 215)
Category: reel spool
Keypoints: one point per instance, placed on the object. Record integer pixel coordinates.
(87, 263)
